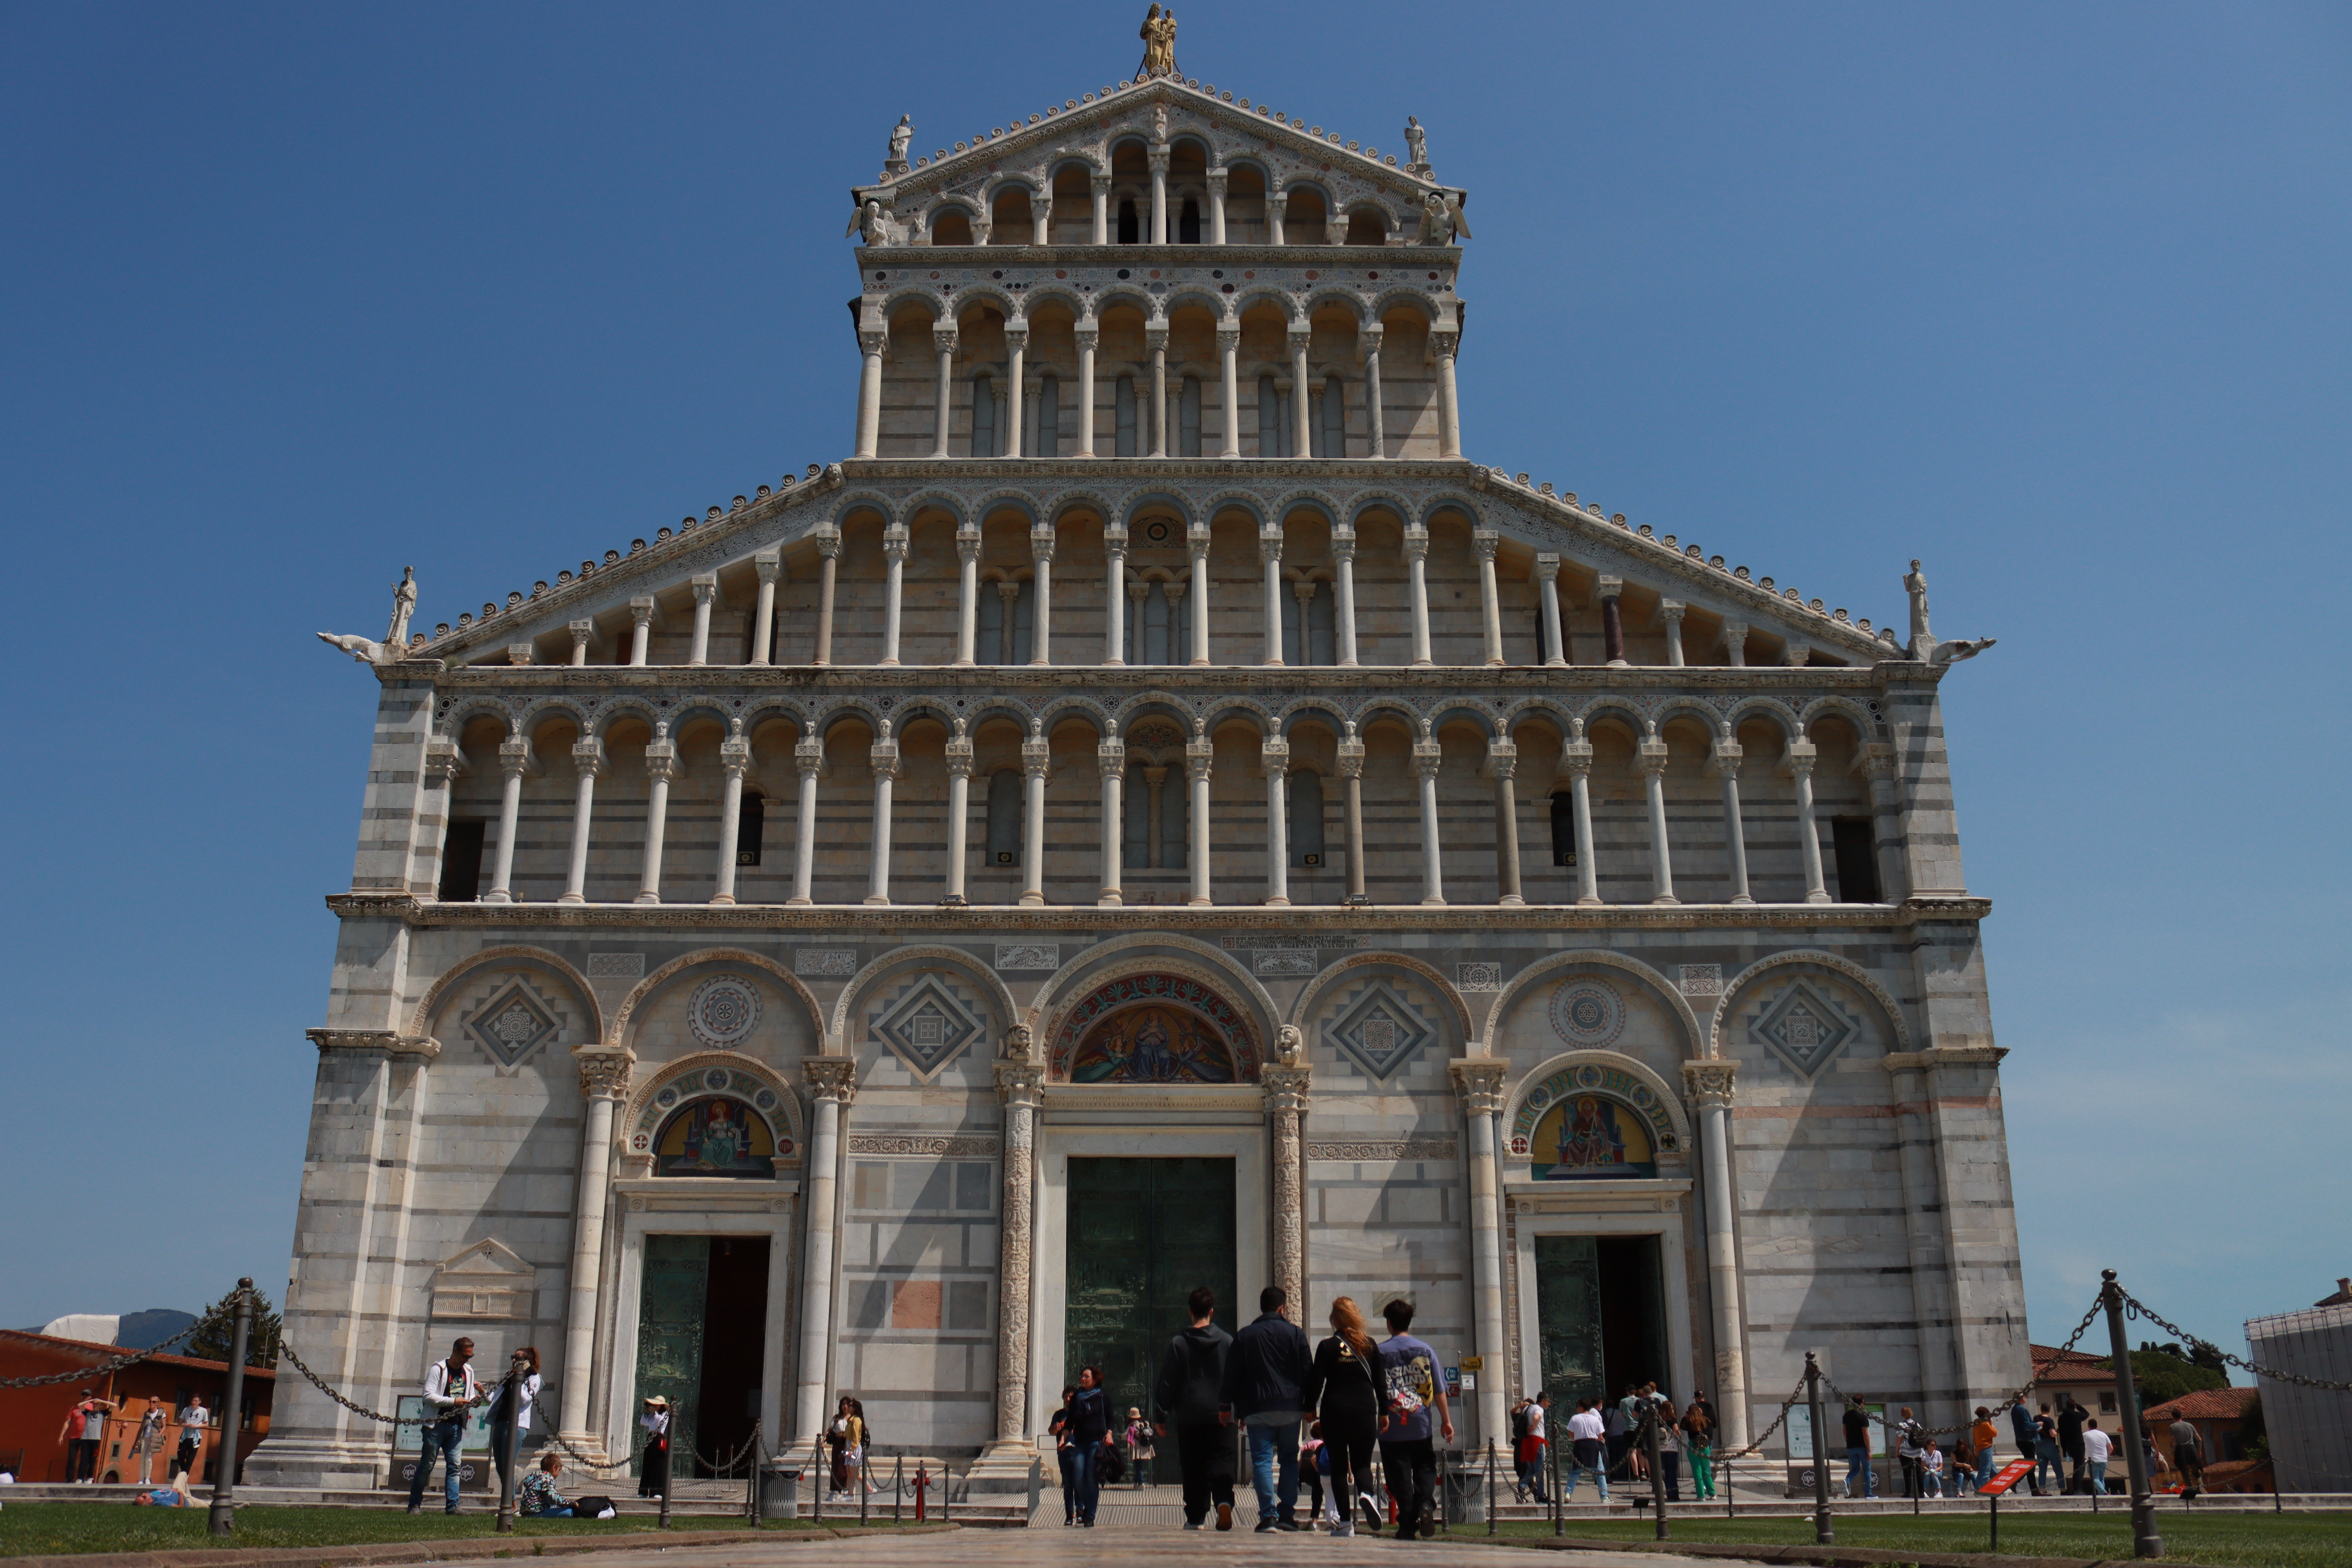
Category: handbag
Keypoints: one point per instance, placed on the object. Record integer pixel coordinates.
(1113, 1468)
(591, 1507)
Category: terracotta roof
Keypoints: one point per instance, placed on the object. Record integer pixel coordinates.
(99, 1353)
(2050, 1364)
(2206, 1405)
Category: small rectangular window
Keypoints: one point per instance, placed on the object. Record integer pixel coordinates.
(1857, 861)
(1563, 829)
(750, 823)
(461, 863)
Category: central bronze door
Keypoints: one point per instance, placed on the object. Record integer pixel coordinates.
(1143, 1234)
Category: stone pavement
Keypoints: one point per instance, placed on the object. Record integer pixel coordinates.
(1242, 1548)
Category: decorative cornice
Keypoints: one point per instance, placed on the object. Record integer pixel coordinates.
(889, 921)
(1369, 1149)
(422, 1047)
(710, 679)
(950, 1148)
(1944, 1056)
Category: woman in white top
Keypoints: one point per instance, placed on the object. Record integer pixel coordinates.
(507, 1426)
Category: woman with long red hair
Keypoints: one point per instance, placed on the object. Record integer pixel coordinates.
(1343, 1391)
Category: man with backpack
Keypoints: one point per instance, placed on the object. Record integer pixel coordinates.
(1189, 1396)
(449, 1393)
(1411, 1390)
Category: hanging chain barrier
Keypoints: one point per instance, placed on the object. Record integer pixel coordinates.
(2139, 1309)
(2025, 1392)
(219, 1315)
(320, 1385)
(725, 1471)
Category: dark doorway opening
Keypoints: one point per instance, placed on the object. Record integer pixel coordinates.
(702, 1314)
(1600, 1316)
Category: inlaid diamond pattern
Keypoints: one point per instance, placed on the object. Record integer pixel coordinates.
(1803, 1029)
(1378, 1029)
(926, 1024)
(512, 1023)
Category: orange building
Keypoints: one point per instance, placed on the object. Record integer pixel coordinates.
(32, 1418)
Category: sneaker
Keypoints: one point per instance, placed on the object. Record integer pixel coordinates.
(1291, 1525)
(1192, 1525)
(1224, 1516)
(1265, 1527)
(1345, 1528)
(414, 1509)
(1429, 1529)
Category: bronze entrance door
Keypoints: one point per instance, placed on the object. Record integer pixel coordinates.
(700, 1318)
(1600, 1315)
(1143, 1234)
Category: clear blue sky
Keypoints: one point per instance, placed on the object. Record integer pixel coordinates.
(2054, 297)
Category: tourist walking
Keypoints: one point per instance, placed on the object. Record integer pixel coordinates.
(1266, 1376)
(1861, 1481)
(2188, 1457)
(2097, 1445)
(653, 1470)
(1699, 1444)
(1588, 1439)
(1066, 1456)
(1618, 1418)
(845, 1436)
(450, 1393)
(1189, 1396)
(1670, 1447)
(1533, 1447)
(2047, 1476)
(83, 1433)
(1141, 1452)
(1413, 1412)
(1343, 1387)
(194, 1421)
(1908, 1437)
(1984, 1435)
(2021, 1426)
(1086, 1429)
(2071, 1417)
(510, 1424)
(150, 1441)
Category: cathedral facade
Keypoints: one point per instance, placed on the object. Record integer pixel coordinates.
(1154, 814)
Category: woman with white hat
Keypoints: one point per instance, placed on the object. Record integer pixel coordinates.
(653, 1477)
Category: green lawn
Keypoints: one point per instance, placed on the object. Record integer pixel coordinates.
(41, 1529)
(2231, 1540)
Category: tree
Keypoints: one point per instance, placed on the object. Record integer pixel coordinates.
(2162, 1374)
(211, 1341)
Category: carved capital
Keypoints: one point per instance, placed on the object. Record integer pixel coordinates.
(1021, 1084)
(1274, 755)
(828, 543)
(1735, 639)
(1487, 541)
(959, 759)
(588, 757)
(1351, 759)
(884, 757)
(603, 1073)
(1546, 569)
(1110, 757)
(1427, 758)
(1269, 546)
(1115, 538)
(1416, 543)
(894, 540)
(1441, 344)
(1610, 588)
(1285, 1088)
(705, 585)
(769, 565)
(1651, 757)
(1799, 760)
(1037, 758)
(443, 760)
(1016, 335)
(1368, 343)
(1229, 337)
(1155, 334)
(641, 609)
(1709, 1083)
(1088, 333)
(808, 755)
(583, 633)
(1502, 760)
(735, 756)
(1299, 335)
(968, 544)
(1876, 762)
(1724, 763)
(1479, 1081)
(1343, 543)
(1670, 612)
(515, 758)
(873, 342)
(1198, 756)
(944, 339)
(831, 1077)
(1576, 757)
(1041, 542)
(1196, 540)
(661, 759)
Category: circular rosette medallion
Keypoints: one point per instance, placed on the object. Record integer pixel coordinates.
(1588, 1013)
(723, 1012)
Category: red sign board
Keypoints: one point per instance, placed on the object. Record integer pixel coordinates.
(2008, 1476)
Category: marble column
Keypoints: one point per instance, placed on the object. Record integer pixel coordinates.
(1138, 592)
(808, 756)
(583, 633)
(1724, 767)
(1090, 336)
(1417, 556)
(828, 548)
(604, 1081)
(967, 593)
(1876, 765)
(1735, 643)
(587, 762)
(1101, 183)
(437, 783)
(1613, 622)
(1368, 341)
(1036, 759)
(1269, 554)
(958, 756)
(706, 592)
(1449, 404)
(870, 391)
(1546, 580)
(1670, 617)
(895, 540)
(1041, 552)
(1343, 588)
(1300, 337)
(1196, 539)
(944, 345)
(641, 618)
(1008, 593)
(1115, 594)
(1198, 755)
(1479, 1081)
(1155, 779)
(885, 754)
(1490, 601)
(1273, 758)
(1217, 178)
(1285, 1088)
(1016, 385)
(1021, 1085)
(770, 565)
(1351, 774)
(1798, 766)
(1155, 342)
(1041, 219)
(1502, 762)
(1576, 761)
(1178, 616)
(1426, 758)
(1156, 157)
(1276, 200)
(515, 760)
(1651, 757)
(1229, 340)
(832, 1085)
(734, 762)
(1304, 591)
(1110, 760)
(1710, 1085)
(661, 766)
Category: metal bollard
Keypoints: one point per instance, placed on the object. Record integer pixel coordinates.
(222, 1520)
(1490, 1486)
(899, 1493)
(1824, 1533)
(1657, 1467)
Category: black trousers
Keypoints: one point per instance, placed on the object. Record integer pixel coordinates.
(1412, 1480)
(81, 1459)
(1349, 1443)
(1205, 1449)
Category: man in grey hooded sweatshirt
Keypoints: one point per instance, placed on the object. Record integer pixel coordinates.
(1188, 1394)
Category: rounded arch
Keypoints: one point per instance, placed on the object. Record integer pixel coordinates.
(969, 297)
(1300, 710)
(1152, 953)
(1625, 710)
(1018, 714)
(452, 720)
(1453, 500)
(616, 1036)
(1470, 710)
(850, 501)
(1060, 293)
(1764, 710)
(517, 956)
(1155, 705)
(948, 501)
(642, 1096)
(1540, 709)
(1198, 294)
(1545, 970)
(668, 1093)
(1865, 724)
(1072, 704)
(769, 708)
(863, 983)
(1247, 711)
(1395, 708)
(1845, 969)
(1269, 294)
(921, 294)
(1662, 1107)
(1083, 500)
(864, 708)
(630, 706)
(1338, 295)
(1697, 708)
(1321, 503)
(1078, 157)
(1363, 501)
(536, 713)
(1136, 504)
(1428, 974)
(1124, 294)
(1223, 501)
(993, 502)
(1404, 298)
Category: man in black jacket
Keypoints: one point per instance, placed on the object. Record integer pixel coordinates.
(1266, 1376)
(1189, 1395)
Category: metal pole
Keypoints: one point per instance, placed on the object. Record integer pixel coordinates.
(899, 1493)
(1490, 1486)
(1552, 1448)
(223, 1518)
(1993, 1502)
(947, 1478)
(824, 1478)
(2146, 1542)
(1657, 1468)
(864, 1491)
(509, 1390)
(1824, 1533)
(1444, 1493)
(1730, 1507)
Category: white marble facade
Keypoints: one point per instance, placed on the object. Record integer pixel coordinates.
(1203, 669)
